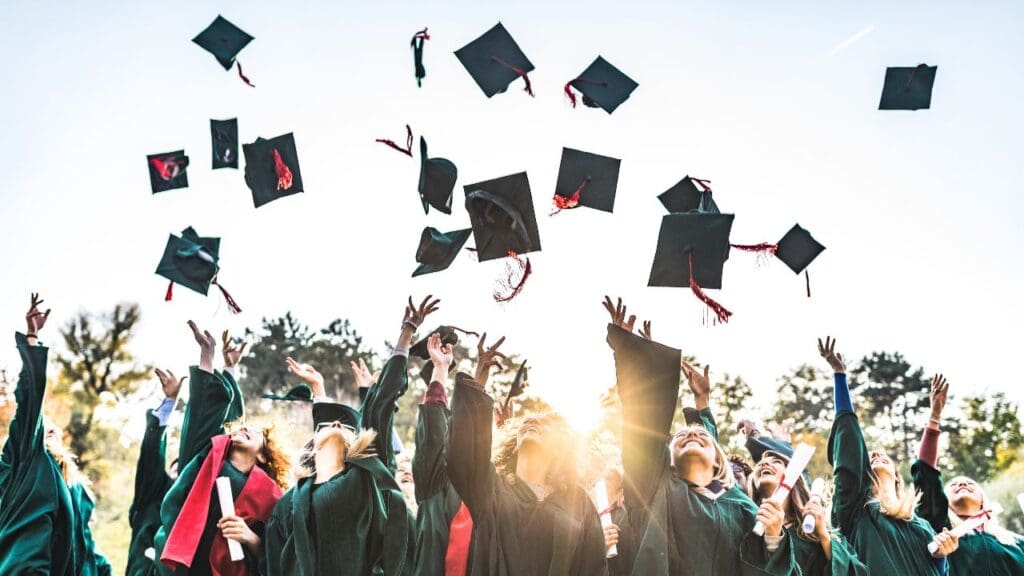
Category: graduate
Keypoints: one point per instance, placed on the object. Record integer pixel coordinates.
(45, 507)
(193, 533)
(823, 552)
(687, 515)
(871, 506)
(152, 481)
(990, 550)
(530, 516)
(619, 533)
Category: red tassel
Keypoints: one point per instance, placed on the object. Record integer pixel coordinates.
(408, 142)
(170, 291)
(514, 266)
(243, 76)
(421, 35)
(284, 174)
(563, 203)
(521, 73)
(721, 314)
(705, 185)
(571, 95)
(232, 305)
(167, 167)
(763, 248)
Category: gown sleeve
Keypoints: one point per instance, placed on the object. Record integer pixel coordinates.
(428, 463)
(25, 435)
(151, 479)
(208, 408)
(848, 455)
(378, 409)
(469, 447)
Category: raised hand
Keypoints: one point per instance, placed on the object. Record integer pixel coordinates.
(440, 355)
(207, 345)
(646, 330)
(749, 429)
(170, 384)
(699, 383)
(487, 358)
(939, 390)
(828, 352)
(34, 319)
(618, 313)
(364, 378)
(771, 515)
(502, 414)
(782, 432)
(415, 315)
(231, 351)
(309, 375)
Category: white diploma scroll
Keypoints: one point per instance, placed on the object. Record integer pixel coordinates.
(227, 508)
(969, 525)
(817, 489)
(801, 456)
(601, 496)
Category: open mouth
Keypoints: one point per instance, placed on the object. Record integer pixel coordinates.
(963, 489)
(691, 441)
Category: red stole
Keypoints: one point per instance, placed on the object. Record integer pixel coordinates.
(254, 504)
(459, 534)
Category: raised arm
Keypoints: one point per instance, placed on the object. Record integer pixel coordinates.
(700, 385)
(470, 431)
(847, 452)
(428, 462)
(25, 438)
(151, 478)
(647, 377)
(209, 401)
(933, 505)
(382, 399)
(233, 353)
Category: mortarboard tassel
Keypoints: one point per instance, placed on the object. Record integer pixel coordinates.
(417, 54)
(232, 305)
(807, 277)
(515, 265)
(913, 73)
(408, 142)
(168, 168)
(243, 76)
(170, 291)
(720, 311)
(763, 250)
(572, 96)
(284, 174)
(518, 71)
(563, 203)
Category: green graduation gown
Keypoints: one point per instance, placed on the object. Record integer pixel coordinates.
(886, 545)
(980, 553)
(380, 404)
(811, 558)
(94, 563)
(678, 530)
(151, 484)
(514, 534)
(37, 519)
(622, 563)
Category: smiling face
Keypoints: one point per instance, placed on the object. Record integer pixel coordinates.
(330, 432)
(693, 445)
(965, 496)
(404, 473)
(882, 465)
(768, 473)
(247, 439)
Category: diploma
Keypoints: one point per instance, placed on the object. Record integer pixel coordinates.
(817, 489)
(970, 524)
(227, 508)
(801, 456)
(601, 495)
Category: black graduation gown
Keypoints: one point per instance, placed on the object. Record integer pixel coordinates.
(151, 485)
(514, 534)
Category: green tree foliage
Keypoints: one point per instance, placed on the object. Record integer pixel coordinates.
(804, 399)
(986, 439)
(895, 394)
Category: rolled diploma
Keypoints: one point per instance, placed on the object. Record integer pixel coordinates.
(817, 489)
(601, 495)
(968, 526)
(801, 456)
(227, 508)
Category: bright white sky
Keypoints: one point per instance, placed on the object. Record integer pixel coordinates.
(776, 103)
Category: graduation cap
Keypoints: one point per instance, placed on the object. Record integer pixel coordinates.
(502, 216)
(437, 181)
(437, 251)
(602, 85)
(224, 40)
(797, 249)
(328, 412)
(687, 195)
(519, 385)
(494, 60)
(692, 250)
(272, 169)
(449, 336)
(194, 262)
(586, 179)
(299, 393)
(224, 143)
(417, 55)
(908, 88)
(167, 171)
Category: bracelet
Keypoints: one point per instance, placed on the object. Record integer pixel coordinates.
(31, 336)
(410, 324)
(934, 421)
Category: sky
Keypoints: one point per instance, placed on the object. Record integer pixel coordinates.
(775, 103)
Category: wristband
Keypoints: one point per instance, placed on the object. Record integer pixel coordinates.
(410, 324)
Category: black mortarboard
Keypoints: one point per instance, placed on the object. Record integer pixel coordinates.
(595, 177)
(501, 212)
(224, 40)
(437, 180)
(704, 237)
(272, 169)
(328, 412)
(299, 393)
(908, 88)
(494, 60)
(519, 385)
(437, 251)
(798, 249)
(687, 195)
(602, 85)
(167, 171)
(190, 260)
(449, 336)
(224, 143)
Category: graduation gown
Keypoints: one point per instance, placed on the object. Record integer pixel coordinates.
(151, 484)
(439, 503)
(811, 558)
(37, 518)
(380, 404)
(886, 545)
(514, 534)
(980, 553)
(355, 524)
(622, 563)
(678, 530)
(94, 563)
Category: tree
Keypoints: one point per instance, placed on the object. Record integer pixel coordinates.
(97, 365)
(987, 439)
(804, 400)
(896, 394)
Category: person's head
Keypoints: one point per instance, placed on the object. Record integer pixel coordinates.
(896, 501)
(258, 444)
(67, 461)
(965, 496)
(403, 475)
(544, 436)
(334, 439)
(694, 451)
(765, 479)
